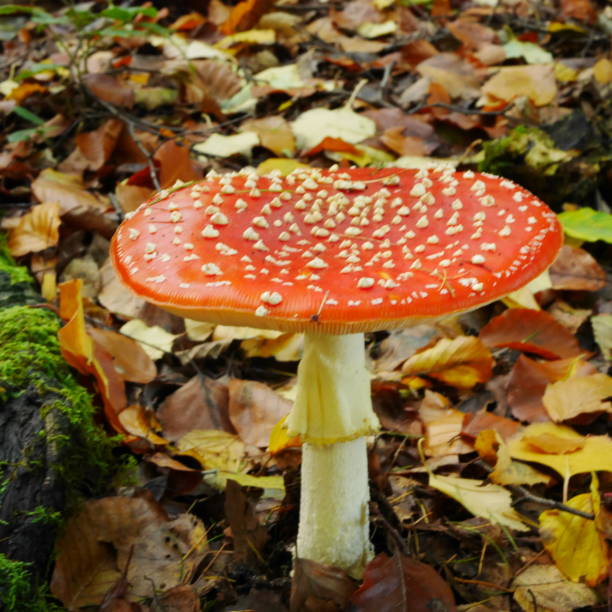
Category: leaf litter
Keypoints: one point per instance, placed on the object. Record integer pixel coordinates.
(507, 496)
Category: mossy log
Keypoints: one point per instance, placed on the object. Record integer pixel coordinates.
(51, 452)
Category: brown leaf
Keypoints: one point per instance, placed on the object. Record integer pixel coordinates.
(577, 270)
(483, 420)
(274, 134)
(130, 360)
(471, 33)
(182, 598)
(93, 148)
(354, 13)
(65, 189)
(139, 423)
(457, 76)
(201, 403)
(530, 331)
(110, 89)
(249, 535)
(36, 231)
(130, 197)
(403, 584)
(176, 164)
(536, 82)
(254, 410)
(319, 588)
(579, 9)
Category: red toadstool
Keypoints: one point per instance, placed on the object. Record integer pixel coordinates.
(335, 253)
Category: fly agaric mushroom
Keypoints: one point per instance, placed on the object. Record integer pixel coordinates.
(334, 253)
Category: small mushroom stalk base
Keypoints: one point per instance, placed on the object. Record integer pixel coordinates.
(333, 412)
(334, 517)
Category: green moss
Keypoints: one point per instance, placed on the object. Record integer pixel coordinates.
(17, 592)
(17, 274)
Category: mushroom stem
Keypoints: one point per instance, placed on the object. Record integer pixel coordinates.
(333, 412)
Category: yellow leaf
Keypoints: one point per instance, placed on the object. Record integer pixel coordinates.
(154, 339)
(562, 449)
(576, 545)
(602, 71)
(566, 399)
(285, 166)
(274, 485)
(287, 347)
(565, 74)
(36, 230)
(543, 588)
(488, 501)
(214, 449)
(280, 440)
(251, 37)
(492, 448)
(461, 362)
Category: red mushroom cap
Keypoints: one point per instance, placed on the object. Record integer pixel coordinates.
(335, 251)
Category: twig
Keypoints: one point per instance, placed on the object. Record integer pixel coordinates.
(148, 156)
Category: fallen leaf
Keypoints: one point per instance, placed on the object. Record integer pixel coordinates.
(245, 15)
(110, 89)
(65, 189)
(602, 330)
(562, 449)
(566, 399)
(402, 583)
(287, 347)
(215, 450)
(531, 331)
(154, 340)
(254, 410)
(312, 126)
(587, 224)
(576, 544)
(536, 82)
(456, 75)
(35, 231)
(274, 134)
(280, 440)
(493, 449)
(579, 9)
(176, 164)
(489, 501)
(602, 71)
(543, 588)
(461, 362)
(137, 422)
(218, 145)
(201, 403)
(529, 379)
(129, 358)
(575, 269)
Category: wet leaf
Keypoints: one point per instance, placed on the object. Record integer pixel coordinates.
(254, 409)
(35, 231)
(461, 362)
(489, 501)
(566, 399)
(531, 331)
(576, 544)
(402, 583)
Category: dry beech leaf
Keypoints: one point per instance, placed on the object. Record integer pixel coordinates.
(245, 15)
(93, 148)
(543, 588)
(254, 410)
(65, 189)
(461, 362)
(536, 82)
(442, 428)
(492, 448)
(130, 360)
(154, 340)
(214, 450)
(566, 399)
(402, 583)
(110, 89)
(577, 545)
(483, 420)
(489, 501)
(35, 231)
(274, 134)
(529, 379)
(562, 449)
(175, 164)
(530, 331)
(201, 403)
(456, 75)
(80, 351)
(137, 422)
(575, 269)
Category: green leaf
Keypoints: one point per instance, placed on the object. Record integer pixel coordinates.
(587, 224)
(20, 135)
(24, 113)
(35, 69)
(126, 15)
(11, 9)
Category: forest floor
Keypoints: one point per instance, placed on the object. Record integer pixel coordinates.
(490, 476)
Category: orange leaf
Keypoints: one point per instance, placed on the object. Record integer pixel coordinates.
(566, 399)
(461, 362)
(531, 331)
(138, 423)
(25, 90)
(536, 82)
(79, 350)
(36, 230)
(245, 15)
